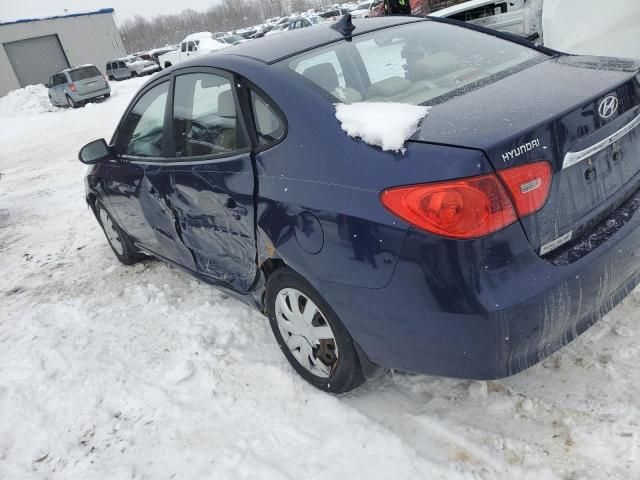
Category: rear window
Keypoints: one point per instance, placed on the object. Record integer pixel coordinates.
(83, 73)
(414, 63)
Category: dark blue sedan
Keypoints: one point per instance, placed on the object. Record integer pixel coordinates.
(507, 227)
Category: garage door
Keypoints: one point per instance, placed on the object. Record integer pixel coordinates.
(35, 59)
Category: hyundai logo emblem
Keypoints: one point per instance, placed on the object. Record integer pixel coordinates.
(608, 106)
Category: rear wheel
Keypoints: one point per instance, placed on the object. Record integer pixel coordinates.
(119, 241)
(134, 74)
(310, 334)
(107, 95)
(72, 103)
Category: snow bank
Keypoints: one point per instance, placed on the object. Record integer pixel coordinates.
(593, 27)
(387, 125)
(26, 101)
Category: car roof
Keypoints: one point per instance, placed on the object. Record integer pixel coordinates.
(270, 49)
(71, 69)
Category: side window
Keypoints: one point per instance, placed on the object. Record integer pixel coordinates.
(108, 66)
(269, 126)
(190, 46)
(142, 132)
(122, 65)
(205, 121)
(183, 47)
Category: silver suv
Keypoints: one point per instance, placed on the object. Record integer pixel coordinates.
(129, 67)
(73, 87)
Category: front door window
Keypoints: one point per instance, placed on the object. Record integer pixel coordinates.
(142, 133)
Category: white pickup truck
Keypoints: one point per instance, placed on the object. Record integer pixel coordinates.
(585, 27)
(192, 46)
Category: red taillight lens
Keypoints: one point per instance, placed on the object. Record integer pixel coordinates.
(472, 207)
(72, 87)
(529, 186)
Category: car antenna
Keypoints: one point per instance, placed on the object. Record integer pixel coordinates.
(344, 25)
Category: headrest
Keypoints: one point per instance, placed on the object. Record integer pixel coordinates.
(389, 87)
(226, 105)
(435, 65)
(323, 75)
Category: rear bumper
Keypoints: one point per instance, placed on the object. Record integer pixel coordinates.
(88, 96)
(486, 308)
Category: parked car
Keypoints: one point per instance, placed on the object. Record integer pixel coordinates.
(74, 87)
(365, 9)
(193, 45)
(231, 39)
(129, 67)
(304, 22)
(517, 17)
(508, 225)
(333, 14)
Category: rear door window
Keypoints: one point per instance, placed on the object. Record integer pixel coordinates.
(205, 118)
(142, 132)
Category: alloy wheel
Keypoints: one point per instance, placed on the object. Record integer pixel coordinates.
(306, 332)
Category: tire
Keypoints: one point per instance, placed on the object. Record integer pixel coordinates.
(107, 95)
(118, 240)
(332, 364)
(134, 74)
(167, 64)
(71, 103)
(112, 78)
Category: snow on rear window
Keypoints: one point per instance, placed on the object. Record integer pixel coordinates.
(384, 124)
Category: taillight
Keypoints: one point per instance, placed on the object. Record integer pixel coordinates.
(472, 207)
(72, 87)
(529, 186)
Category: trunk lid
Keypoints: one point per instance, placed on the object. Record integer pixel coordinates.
(550, 111)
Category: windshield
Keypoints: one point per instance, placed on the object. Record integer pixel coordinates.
(363, 6)
(232, 39)
(133, 59)
(83, 73)
(413, 63)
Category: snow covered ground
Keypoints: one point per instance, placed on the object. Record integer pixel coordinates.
(113, 372)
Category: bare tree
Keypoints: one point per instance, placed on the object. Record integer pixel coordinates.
(140, 34)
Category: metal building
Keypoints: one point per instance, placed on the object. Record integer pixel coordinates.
(32, 49)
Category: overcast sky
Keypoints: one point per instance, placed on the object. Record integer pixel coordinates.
(14, 9)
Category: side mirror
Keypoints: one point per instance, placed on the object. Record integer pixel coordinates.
(94, 151)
